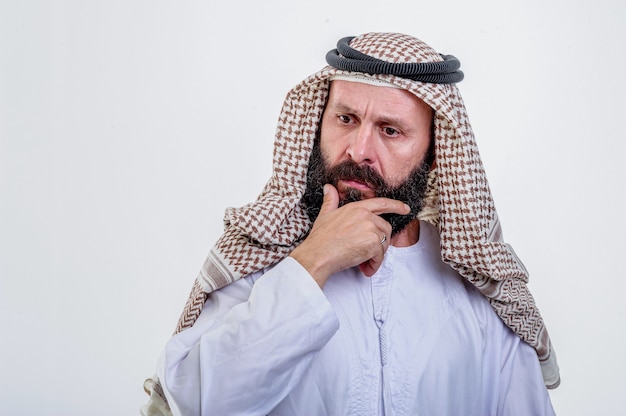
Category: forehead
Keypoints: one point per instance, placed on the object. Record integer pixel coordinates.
(360, 97)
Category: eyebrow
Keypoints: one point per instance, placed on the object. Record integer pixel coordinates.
(384, 119)
(342, 108)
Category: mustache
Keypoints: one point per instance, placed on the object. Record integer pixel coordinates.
(349, 170)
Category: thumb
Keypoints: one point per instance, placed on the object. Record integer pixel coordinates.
(331, 199)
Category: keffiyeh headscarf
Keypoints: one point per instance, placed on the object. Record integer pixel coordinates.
(458, 199)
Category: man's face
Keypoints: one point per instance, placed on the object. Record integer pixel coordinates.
(373, 142)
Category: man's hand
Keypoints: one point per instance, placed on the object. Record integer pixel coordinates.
(348, 236)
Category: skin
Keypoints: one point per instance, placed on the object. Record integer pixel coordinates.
(387, 129)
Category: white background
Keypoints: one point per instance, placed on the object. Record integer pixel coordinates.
(127, 127)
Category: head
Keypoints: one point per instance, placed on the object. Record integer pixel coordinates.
(373, 141)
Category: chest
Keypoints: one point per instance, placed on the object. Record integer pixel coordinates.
(404, 347)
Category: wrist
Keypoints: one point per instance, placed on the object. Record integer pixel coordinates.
(311, 264)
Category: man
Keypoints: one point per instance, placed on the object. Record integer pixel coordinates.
(370, 276)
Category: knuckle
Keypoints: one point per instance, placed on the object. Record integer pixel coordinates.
(362, 212)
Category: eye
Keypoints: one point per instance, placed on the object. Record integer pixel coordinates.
(344, 119)
(390, 131)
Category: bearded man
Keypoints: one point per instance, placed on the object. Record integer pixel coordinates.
(370, 277)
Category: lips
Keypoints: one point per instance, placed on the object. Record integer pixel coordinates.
(344, 185)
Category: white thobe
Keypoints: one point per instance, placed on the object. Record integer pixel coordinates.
(414, 339)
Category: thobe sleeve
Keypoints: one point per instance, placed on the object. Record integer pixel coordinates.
(250, 346)
(513, 383)
(522, 390)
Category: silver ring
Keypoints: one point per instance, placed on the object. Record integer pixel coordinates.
(383, 240)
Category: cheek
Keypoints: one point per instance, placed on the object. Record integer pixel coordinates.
(330, 146)
(399, 164)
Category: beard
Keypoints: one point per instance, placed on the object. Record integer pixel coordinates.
(411, 191)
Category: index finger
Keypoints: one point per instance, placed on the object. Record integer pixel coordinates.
(379, 205)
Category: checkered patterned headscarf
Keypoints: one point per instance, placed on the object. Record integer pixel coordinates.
(459, 201)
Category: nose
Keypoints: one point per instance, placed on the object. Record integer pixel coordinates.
(361, 146)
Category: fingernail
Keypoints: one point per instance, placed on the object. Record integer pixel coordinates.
(406, 207)
(325, 189)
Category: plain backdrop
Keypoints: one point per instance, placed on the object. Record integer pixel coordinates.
(127, 127)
